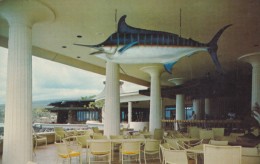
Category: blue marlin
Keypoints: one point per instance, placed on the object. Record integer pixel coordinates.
(130, 45)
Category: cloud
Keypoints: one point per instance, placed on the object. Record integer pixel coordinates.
(53, 80)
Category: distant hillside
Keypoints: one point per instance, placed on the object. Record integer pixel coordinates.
(37, 104)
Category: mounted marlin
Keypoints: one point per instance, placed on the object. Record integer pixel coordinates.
(131, 45)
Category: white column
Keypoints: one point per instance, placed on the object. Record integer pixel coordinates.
(180, 107)
(155, 96)
(129, 112)
(112, 100)
(21, 15)
(207, 107)
(180, 101)
(196, 108)
(254, 60)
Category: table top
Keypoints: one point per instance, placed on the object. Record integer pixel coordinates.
(121, 140)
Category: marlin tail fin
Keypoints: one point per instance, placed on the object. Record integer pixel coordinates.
(213, 47)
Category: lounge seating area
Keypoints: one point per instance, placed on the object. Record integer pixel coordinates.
(163, 146)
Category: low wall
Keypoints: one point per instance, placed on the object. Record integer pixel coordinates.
(137, 126)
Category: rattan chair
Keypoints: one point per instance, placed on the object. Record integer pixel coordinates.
(222, 154)
(66, 152)
(152, 147)
(131, 148)
(158, 134)
(206, 134)
(115, 145)
(39, 139)
(174, 156)
(99, 149)
(218, 132)
(82, 140)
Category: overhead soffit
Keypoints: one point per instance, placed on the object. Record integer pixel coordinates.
(200, 20)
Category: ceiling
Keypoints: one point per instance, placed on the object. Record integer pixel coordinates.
(94, 21)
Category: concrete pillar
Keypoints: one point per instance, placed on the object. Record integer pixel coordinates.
(254, 60)
(180, 107)
(155, 96)
(180, 101)
(197, 108)
(207, 107)
(129, 112)
(112, 100)
(21, 15)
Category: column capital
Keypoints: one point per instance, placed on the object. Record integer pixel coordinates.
(177, 81)
(25, 11)
(153, 70)
(252, 58)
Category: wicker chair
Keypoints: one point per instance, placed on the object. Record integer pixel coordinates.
(131, 148)
(222, 154)
(152, 148)
(99, 149)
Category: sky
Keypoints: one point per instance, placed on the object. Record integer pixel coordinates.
(52, 80)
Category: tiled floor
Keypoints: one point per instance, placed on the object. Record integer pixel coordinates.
(47, 155)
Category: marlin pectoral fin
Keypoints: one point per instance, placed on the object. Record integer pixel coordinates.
(123, 49)
(96, 53)
(100, 48)
(168, 67)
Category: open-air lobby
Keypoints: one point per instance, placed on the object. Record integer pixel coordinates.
(200, 61)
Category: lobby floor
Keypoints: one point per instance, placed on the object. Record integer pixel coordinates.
(47, 155)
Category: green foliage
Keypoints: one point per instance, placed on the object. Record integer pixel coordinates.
(97, 104)
(37, 113)
(88, 97)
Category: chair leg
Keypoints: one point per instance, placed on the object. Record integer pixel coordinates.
(144, 158)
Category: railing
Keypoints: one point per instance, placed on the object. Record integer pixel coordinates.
(230, 124)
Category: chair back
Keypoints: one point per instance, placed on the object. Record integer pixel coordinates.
(250, 155)
(194, 132)
(175, 156)
(219, 143)
(58, 129)
(131, 147)
(62, 150)
(82, 140)
(100, 147)
(172, 143)
(138, 136)
(165, 146)
(218, 132)
(99, 137)
(158, 134)
(152, 145)
(222, 154)
(90, 131)
(206, 134)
